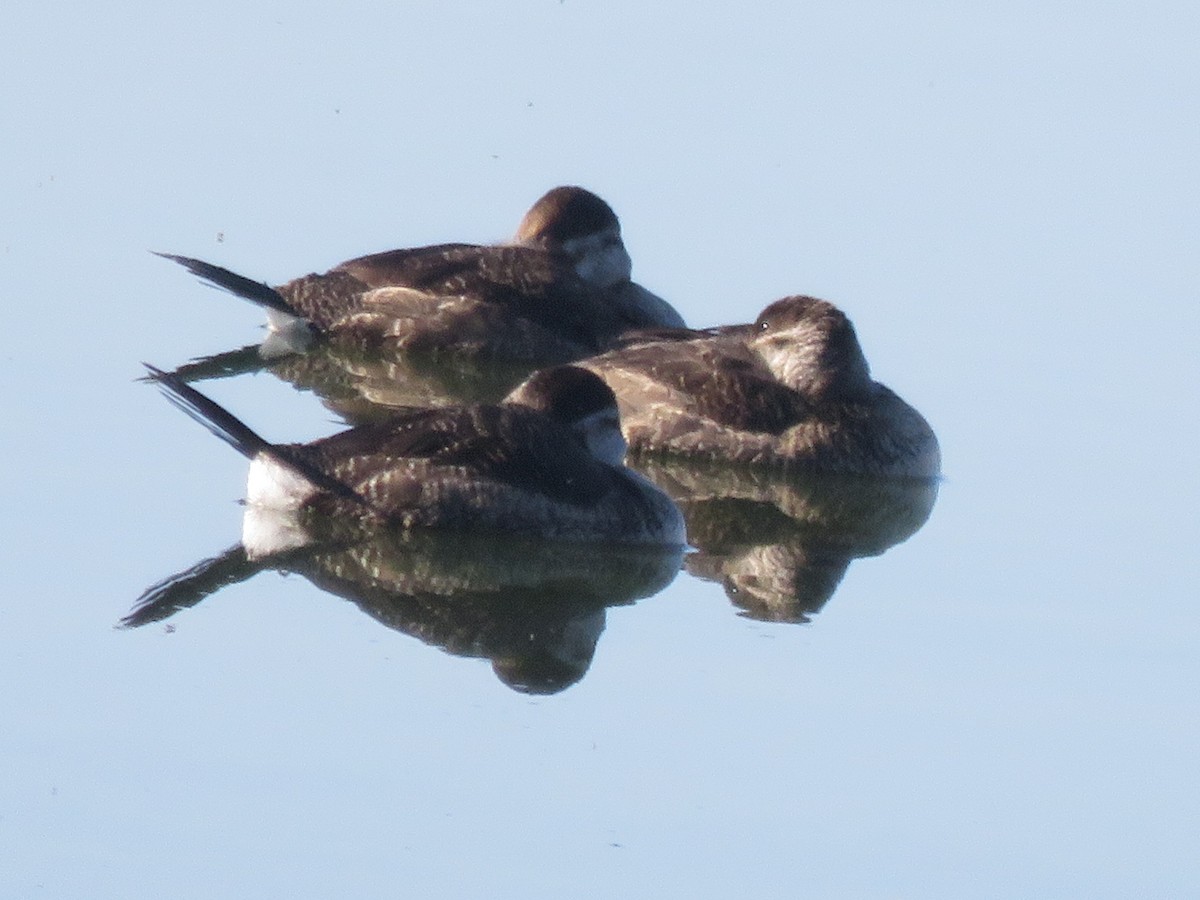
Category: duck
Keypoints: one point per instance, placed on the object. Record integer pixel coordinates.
(560, 290)
(546, 462)
(791, 390)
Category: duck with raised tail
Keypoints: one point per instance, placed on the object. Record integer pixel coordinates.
(546, 462)
(560, 290)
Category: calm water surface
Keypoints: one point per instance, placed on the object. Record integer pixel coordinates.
(987, 692)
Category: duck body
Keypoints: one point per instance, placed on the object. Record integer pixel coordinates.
(547, 464)
(792, 390)
(559, 291)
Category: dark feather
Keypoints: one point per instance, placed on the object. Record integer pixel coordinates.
(509, 444)
(240, 436)
(722, 381)
(187, 588)
(255, 291)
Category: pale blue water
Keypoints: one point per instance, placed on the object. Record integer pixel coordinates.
(1004, 704)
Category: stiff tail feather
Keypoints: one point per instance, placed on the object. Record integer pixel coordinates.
(240, 436)
(254, 291)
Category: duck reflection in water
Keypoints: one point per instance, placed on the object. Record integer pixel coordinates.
(560, 290)
(362, 386)
(534, 608)
(780, 543)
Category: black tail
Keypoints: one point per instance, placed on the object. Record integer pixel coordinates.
(210, 414)
(254, 291)
(238, 434)
(246, 360)
(187, 588)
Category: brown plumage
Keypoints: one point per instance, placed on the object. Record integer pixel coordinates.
(791, 390)
(560, 291)
(538, 464)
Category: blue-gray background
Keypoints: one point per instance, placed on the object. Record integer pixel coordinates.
(1004, 200)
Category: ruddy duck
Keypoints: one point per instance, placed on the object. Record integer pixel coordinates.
(547, 462)
(559, 291)
(793, 389)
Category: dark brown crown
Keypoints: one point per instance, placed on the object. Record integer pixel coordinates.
(565, 393)
(564, 213)
(790, 311)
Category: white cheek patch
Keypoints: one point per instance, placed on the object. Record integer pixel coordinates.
(577, 645)
(602, 434)
(600, 259)
(792, 359)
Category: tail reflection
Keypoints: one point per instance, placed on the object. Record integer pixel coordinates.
(536, 609)
(366, 386)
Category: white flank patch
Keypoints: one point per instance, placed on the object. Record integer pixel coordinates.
(285, 335)
(274, 493)
(273, 485)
